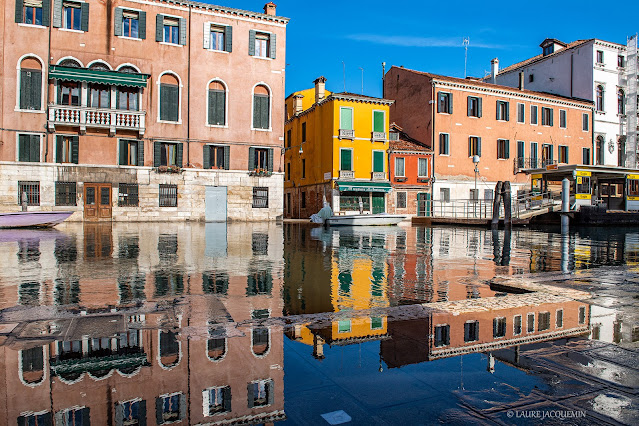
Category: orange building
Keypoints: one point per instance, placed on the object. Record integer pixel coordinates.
(507, 129)
(128, 110)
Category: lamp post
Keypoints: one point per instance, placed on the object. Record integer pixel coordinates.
(476, 198)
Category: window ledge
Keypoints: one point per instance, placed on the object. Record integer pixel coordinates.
(442, 112)
(170, 122)
(263, 57)
(130, 38)
(30, 111)
(600, 112)
(521, 122)
(71, 30)
(473, 116)
(262, 130)
(218, 126)
(22, 24)
(217, 50)
(502, 159)
(166, 43)
(444, 155)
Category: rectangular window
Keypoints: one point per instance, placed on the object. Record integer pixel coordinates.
(445, 102)
(349, 201)
(488, 194)
(582, 315)
(131, 412)
(288, 172)
(69, 93)
(474, 106)
(31, 12)
(600, 57)
(503, 149)
(521, 113)
(471, 331)
(167, 154)
(130, 24)
(474, 146)
(303, 168)
(32, 192)
(169, 102)
(560, 319)
(344, 326)
(261, 159)
(517, 325)
(262, 41)
(422, 167)
(521, 154)
(169, 408)
(217, 400)
(546, 116)
(29, 148)
(127, 98)
(533, 155)
(216, 157)
(216, 37)
(547, 156)
(474, 194)
(562, 119)
(503, 110)
(288, 138)
(401, 200)
(260, 393)
(346, 118)
(65, 194)
(585, 156)
(378, 161)
(563, 154)
(530, 323)
(128, 195)
(621, 61)
(168, 195)
(303, 200)
(444, 144)
(499, 327)
(303, 132)
(585, 122)
(260, 197)
(442, 335)
(399, 167)
(30, 89)
(533, 114)
(131, 152)
(379, 122)
(171, 30)
(543, 322)
(73, 416)
(444, 194)
(72, 15)
(67, 149)
(377, 323)
(346, 159)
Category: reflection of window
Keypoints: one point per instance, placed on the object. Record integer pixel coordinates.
(471, 331)
(215, 282)
(259, 243)
(442, 335)
(216, 344)
(32, 364)
(499, 327)
(260, 338)
(530, 320)
(543, 321)
(376, 323)
(217, 400)
(260, 282)
(171, 408)
(582, 315)
(344, 326)
(168, 283)
(260, 393)
(169, 348)
(130, 413)
(560, 318)
(517, 325)
(42, 418)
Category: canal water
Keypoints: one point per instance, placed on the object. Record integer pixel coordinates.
(135, 324)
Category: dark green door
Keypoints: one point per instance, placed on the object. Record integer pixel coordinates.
(423, 204)
(378, 202)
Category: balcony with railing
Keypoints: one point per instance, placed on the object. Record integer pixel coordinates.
(346, 174)
(378, 176)
(83, 117)
(378, 136)
(521, 163)
(346, 133)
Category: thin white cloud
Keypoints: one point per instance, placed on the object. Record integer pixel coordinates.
(409, 41)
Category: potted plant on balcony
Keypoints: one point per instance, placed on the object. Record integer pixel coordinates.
(169, 169)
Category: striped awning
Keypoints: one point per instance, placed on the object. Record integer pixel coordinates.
(59, 72)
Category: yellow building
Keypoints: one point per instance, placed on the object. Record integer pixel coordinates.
(336, 148)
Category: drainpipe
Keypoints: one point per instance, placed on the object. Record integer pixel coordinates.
(432, 140)
(188, 94)
(46, 85)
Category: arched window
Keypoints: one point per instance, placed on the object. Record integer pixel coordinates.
(169, 97)
(601, 143)
(621, 151)
(69, 62)
(260, 340)
(216, 348)
(217, 104)
(99, 66)
(128, 69)
(30, 84)
(261, 108)
(599, 98)
(32, 365)
(621, 102)
(169, 349)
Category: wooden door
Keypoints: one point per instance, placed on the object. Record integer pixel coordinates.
(378, 202)
(97, 201)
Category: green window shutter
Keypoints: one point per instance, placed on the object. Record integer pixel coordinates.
(345, 164)
(182, 24)
(271, 392)
(159, 27)
(227, 399)
(220, 107)
(567, 155)
(551, 117)
(273, 44)
(270, 160)
(142, 412)
(84, 21)
(36, 90)
(58, 149)
(227, 157)
(497, 117)
(468, 103)
(57, 13)
(46, 13)
(479, 146)
(117, 21)
(75, 149)
(159, 402)
(378, 161)
(25, 88)
(450, 103)
(507, 149)
(378, 121)
(212, 100)
(470, 146)
(507, 111)
(19, 11)
(124, 152)
(439, 102)
(252, 42)
(479, 100)
(207, 35)
(157, 154)
(35, 148)
(265, 112)
(86, 417)
(142, 25)
(180, 154)
(228, 38)
(175, 103)
(206, 157)
(251, 163)
(140, 153)
(164, 102)
(551, 149)
(257, 111)
(346, 118)
(251, 397)
(23, 148)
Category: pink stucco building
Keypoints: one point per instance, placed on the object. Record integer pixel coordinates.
(142, 110)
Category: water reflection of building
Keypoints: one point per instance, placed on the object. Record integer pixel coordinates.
(179, 336)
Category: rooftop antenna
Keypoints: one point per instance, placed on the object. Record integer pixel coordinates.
(466, 42)
(362, 79)
(383, 75)
(344, 70)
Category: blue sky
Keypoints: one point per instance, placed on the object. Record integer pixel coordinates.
(427, 35)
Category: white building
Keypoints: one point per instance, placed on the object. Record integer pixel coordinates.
(593, 70)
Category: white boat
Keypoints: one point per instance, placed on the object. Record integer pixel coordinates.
(32, 219)
(378, 219)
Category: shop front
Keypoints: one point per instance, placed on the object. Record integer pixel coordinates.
(365, 197)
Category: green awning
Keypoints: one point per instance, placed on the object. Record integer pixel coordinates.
(58, 72)
(364, 186)
(90, 364)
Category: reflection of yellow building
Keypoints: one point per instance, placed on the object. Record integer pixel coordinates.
(336, 147)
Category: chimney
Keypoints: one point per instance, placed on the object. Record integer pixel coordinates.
(320, 86)
(297, 104)
(269, 8)
(521, 80)
(494, 69)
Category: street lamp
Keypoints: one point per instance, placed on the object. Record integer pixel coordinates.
(476, 163)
